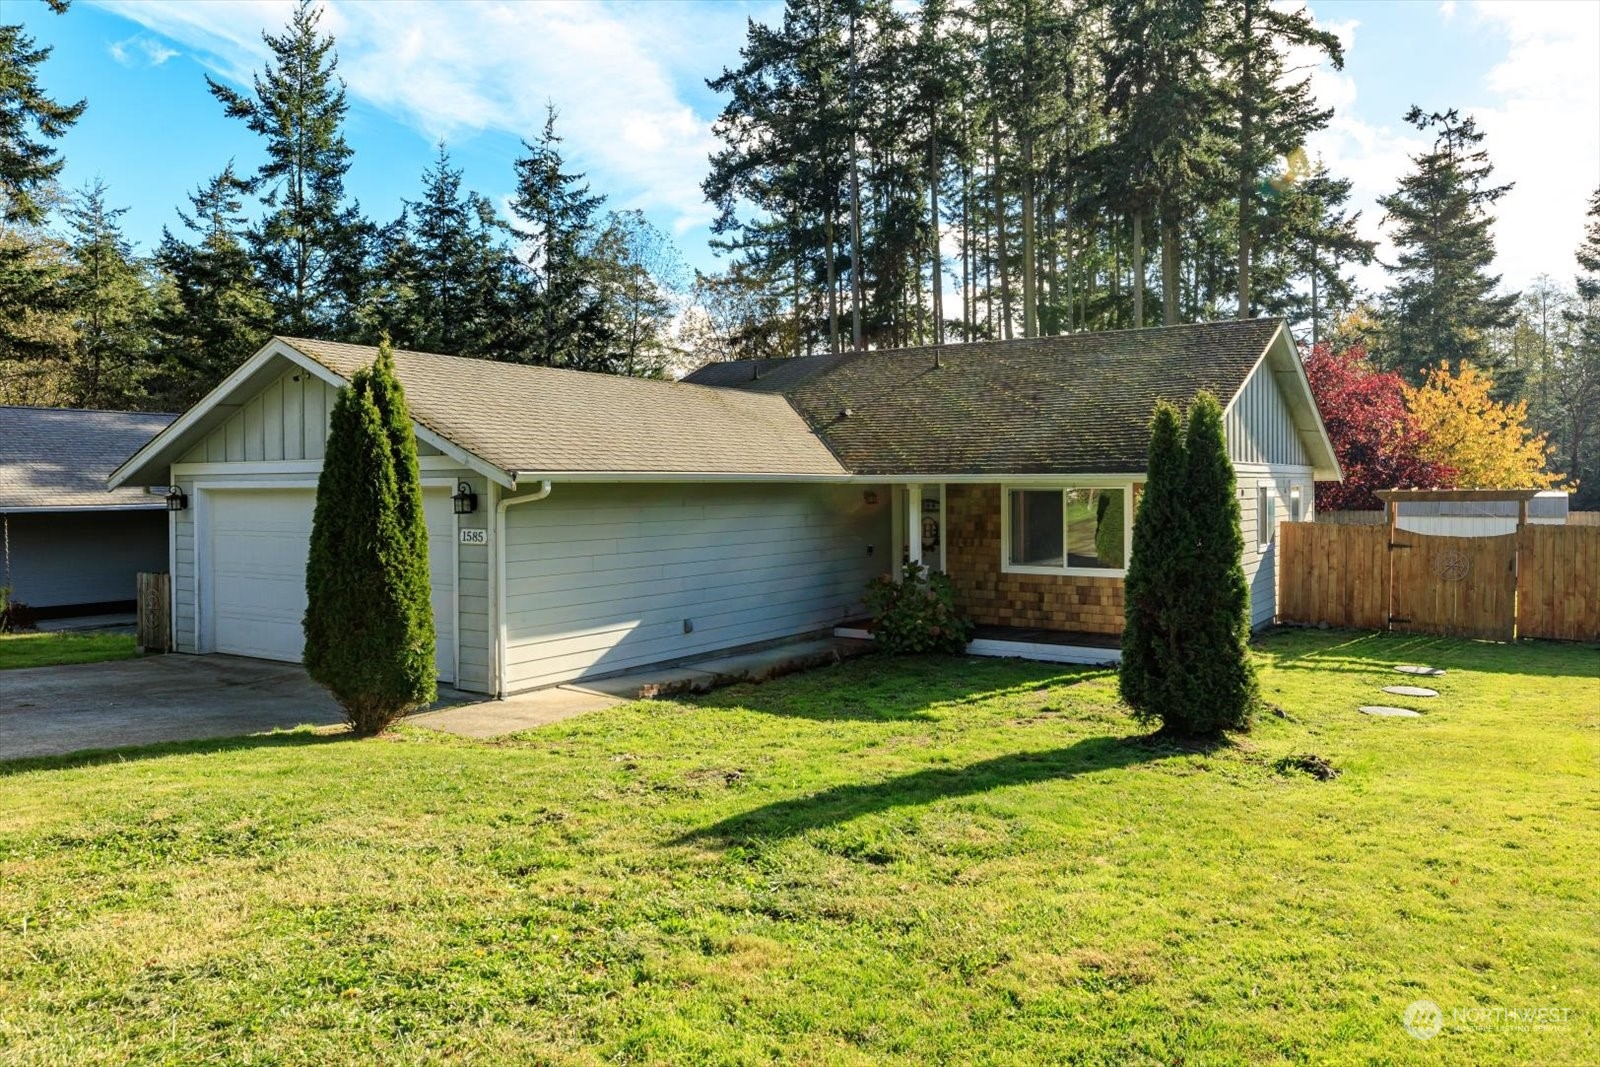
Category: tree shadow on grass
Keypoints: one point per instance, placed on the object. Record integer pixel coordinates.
(1367, 651)
(98, 757)
(841, 803)
(882, 688)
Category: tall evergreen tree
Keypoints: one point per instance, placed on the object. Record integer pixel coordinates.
(1575, 377)
(310, 247)
(1150, 641)
(29, 121)
(1443, 301)
(459, 267)
(112, 304)
(565, 317)
(217, 314)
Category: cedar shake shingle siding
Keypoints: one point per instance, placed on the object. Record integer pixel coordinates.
(1075, 404)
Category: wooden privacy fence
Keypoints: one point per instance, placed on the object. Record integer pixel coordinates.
(1542, 581)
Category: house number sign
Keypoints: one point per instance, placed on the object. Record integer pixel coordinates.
(474, 537)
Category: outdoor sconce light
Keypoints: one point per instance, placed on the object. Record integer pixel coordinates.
(466, 500)
(177, 500)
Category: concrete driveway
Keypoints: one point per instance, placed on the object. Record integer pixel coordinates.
(49, 711)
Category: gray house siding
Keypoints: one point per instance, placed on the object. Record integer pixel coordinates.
(604, 578)
(1260, 565)
(60, 560)
(1260, 429)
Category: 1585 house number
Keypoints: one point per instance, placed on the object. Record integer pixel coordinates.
(474, 537)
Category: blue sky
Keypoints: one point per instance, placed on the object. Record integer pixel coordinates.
(629, 80)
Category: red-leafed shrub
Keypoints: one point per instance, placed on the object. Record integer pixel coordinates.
(1373, 433)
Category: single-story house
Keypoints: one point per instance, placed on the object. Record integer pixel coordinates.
(584, 524)
(69, 547)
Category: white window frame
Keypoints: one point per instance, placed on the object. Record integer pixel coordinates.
(1007, 567)
(1266, 500)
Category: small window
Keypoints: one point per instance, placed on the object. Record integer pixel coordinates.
(1266, 513)
(1066, 530)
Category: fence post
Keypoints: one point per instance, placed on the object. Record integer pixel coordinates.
(154, 628)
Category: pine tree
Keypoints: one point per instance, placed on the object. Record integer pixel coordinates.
(218, 314)
(1160, 529)
(368, 622)
(310, 248)
(29, 121)
(109, 294)
(1575, 376)
(1442, 302)
(1217, 689)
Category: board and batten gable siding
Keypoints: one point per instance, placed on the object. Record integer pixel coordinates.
(1260, 428)
(604, 578)
(287, 421)
(474, 606)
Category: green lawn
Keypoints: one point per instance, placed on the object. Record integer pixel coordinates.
(52, 649)
(917, 861)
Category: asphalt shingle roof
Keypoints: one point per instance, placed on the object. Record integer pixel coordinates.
(1074, 404)
(542, 420)
(54, 459)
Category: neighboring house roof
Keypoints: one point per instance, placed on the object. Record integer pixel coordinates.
(57, 459)
(1073, 404)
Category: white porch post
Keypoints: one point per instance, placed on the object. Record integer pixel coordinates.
(914, 522)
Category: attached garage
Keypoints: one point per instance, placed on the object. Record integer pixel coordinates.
(254, 557)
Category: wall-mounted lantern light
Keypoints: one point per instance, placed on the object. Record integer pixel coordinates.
(177, 500)
(466, 500)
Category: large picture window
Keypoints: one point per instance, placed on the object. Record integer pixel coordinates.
(1066, 531)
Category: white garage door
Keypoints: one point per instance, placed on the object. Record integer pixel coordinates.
(258, 544)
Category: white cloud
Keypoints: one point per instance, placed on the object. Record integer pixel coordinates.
(140, 49)
(451, 69)
(1447, 9)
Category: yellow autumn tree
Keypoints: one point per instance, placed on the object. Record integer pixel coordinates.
(1487, 443)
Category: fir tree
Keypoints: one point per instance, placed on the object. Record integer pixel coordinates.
(565, 316)
(108, 291)
(310, 248)
(460, 266)
(218, 314)
(369, 622)
(29, 121)
(1443, 303)
(1576, 373)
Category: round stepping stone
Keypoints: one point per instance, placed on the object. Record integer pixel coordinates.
(1390, 713)
(1410, 691)
(1431, 672)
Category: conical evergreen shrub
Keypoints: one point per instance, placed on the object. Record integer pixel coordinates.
(369, 621)
(1186, 629)
(1149, 635)
(1218, 688)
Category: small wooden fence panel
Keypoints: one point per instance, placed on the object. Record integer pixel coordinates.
(1542, 581)
(153, 628)
(1334, 574)
(1558, 592)
(1456, 586)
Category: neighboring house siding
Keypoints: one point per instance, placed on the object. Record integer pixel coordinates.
(61, 559)
(1260, 428)
(994, 598)
(601, 578)
(287, 420)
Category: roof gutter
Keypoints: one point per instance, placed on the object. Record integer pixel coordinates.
(506, 503)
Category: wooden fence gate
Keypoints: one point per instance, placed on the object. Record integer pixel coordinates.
(1542, 581)
(1457, 586)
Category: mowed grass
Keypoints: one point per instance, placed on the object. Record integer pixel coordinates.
(916, 861)
(53, 649)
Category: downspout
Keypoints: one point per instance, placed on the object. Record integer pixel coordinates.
(500, 587)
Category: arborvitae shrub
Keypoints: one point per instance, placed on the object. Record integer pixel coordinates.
(369, 619)
(1159, 530)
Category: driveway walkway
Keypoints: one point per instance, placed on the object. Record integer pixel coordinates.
(49, 711)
